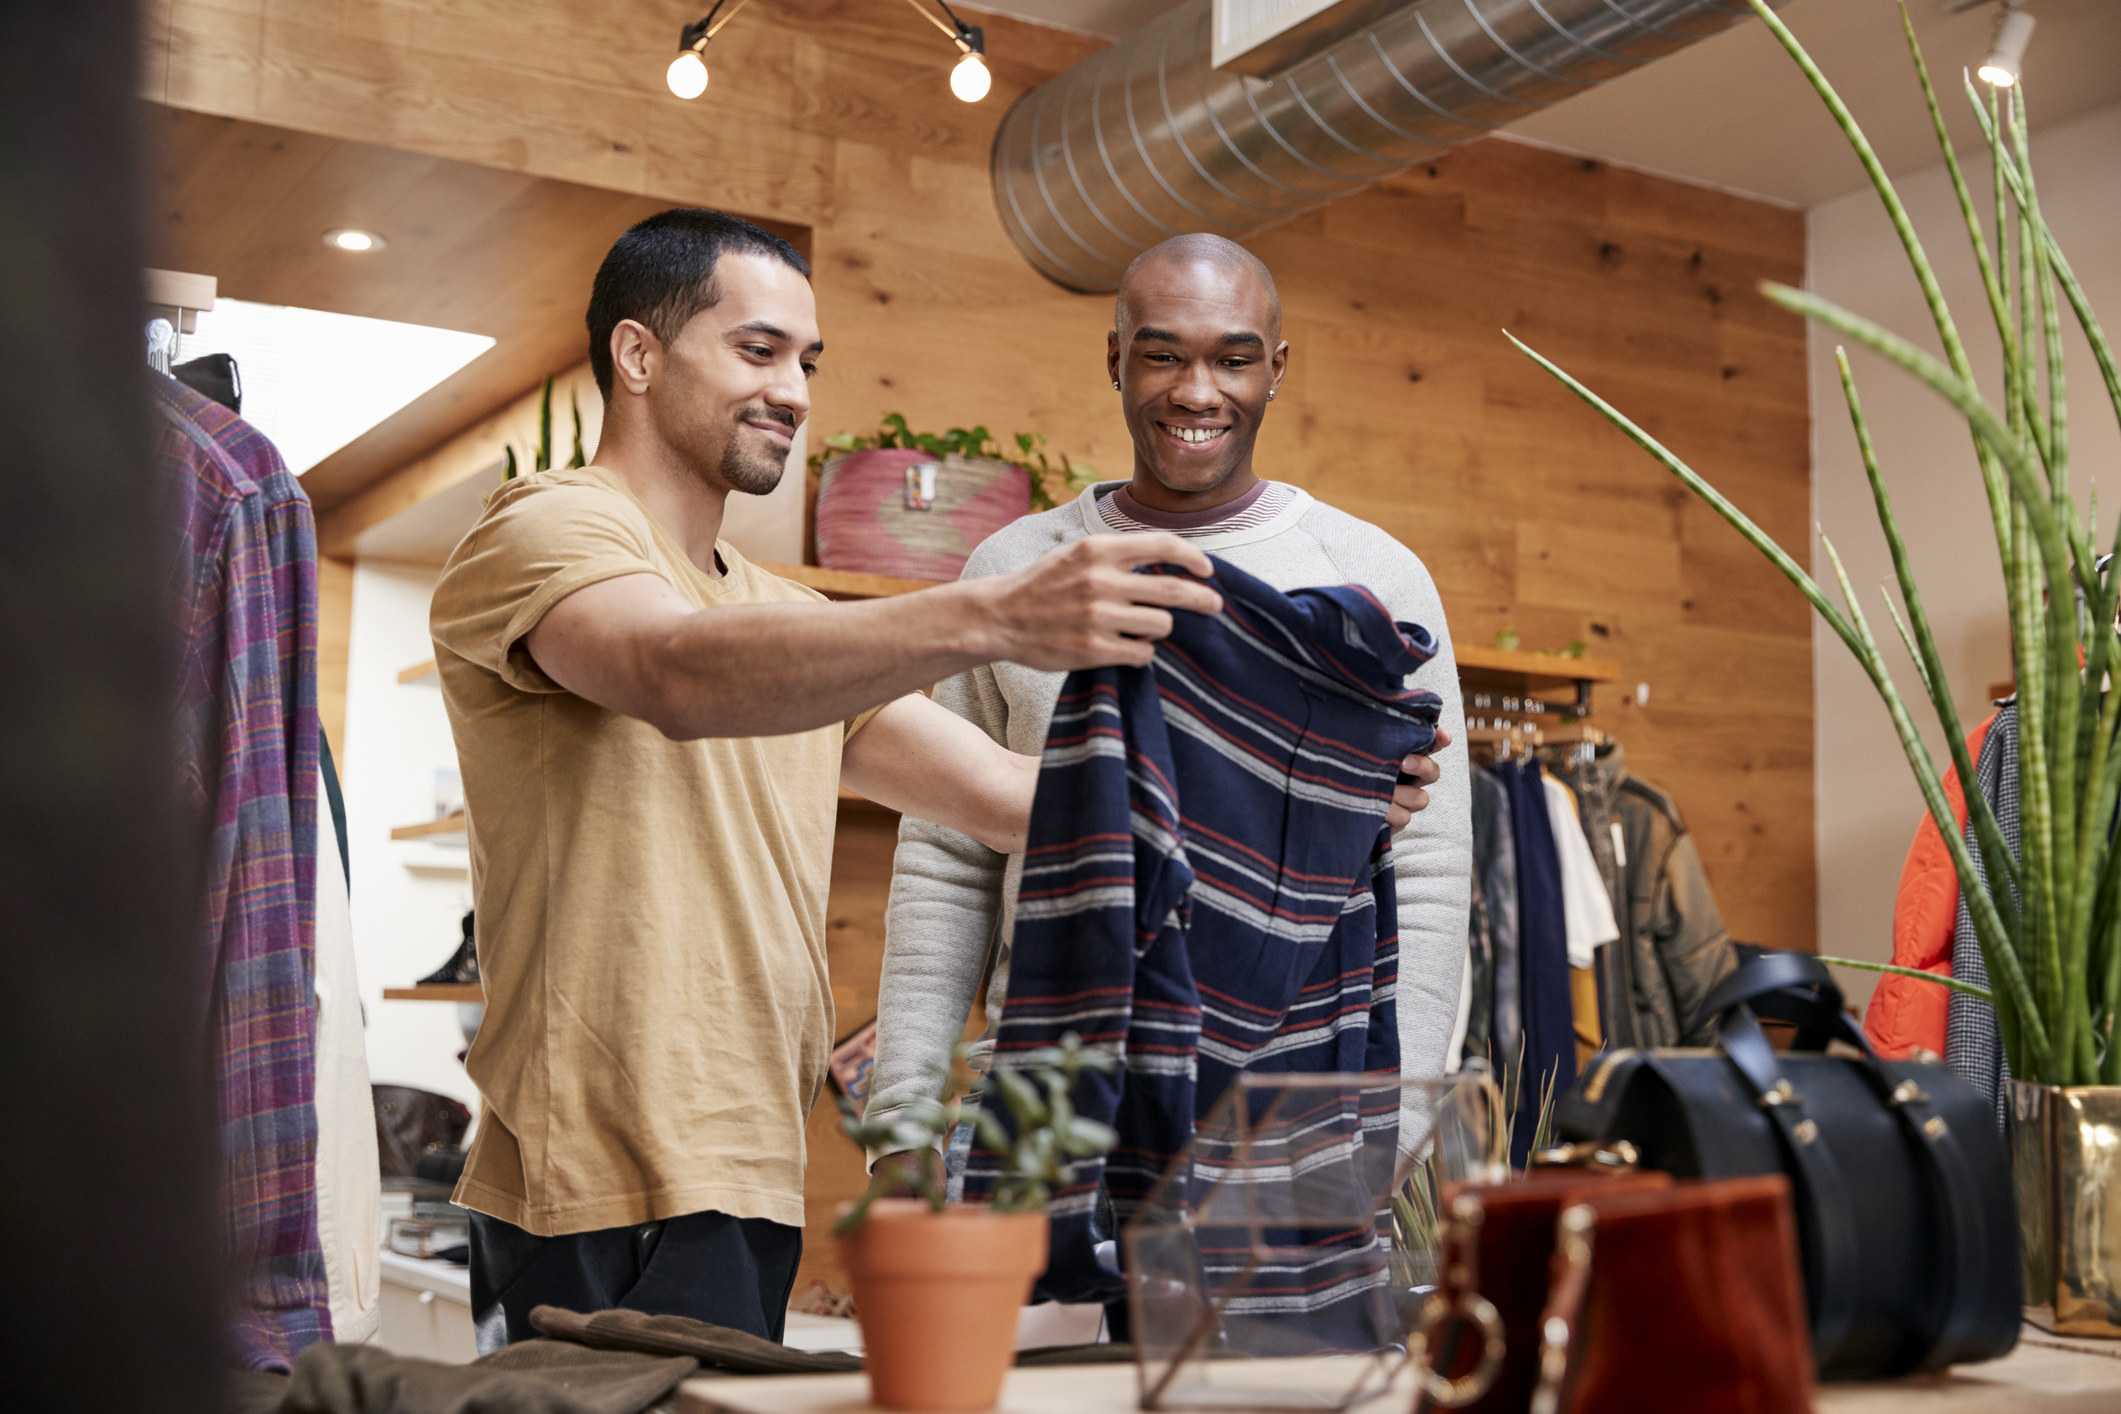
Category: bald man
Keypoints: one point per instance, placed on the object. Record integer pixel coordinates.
(1195, 357)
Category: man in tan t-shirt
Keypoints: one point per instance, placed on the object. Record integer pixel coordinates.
(652, 732)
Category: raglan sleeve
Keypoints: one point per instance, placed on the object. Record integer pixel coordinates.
(1432, 856)
(940, 923)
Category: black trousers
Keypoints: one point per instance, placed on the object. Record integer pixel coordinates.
(734, 1272)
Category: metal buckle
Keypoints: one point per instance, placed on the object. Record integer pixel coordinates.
(1614, 1154)
(1438, 1309)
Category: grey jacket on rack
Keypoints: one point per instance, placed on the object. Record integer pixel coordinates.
(1673, 949)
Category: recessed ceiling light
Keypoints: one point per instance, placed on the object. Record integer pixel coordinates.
(353, 238)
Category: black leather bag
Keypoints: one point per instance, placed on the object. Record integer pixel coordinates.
(1906, 1220)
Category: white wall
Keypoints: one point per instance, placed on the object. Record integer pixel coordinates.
(1868, 805)
(406, 921)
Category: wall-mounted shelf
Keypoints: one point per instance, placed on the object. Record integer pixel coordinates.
(850, 801)
(1550, 668)
(1546, 676)
(850, 584)
(420, 672)
(437, 992)
(450, 829)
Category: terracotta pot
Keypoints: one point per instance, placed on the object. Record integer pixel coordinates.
(867, 522)
(937, 1295)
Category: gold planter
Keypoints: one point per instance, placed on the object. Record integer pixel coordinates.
(2066, 1166)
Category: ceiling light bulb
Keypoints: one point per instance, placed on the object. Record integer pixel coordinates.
(2007, 55)
(970, 79)
(687, 75)
(349, 238)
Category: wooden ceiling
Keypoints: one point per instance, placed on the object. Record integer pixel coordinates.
(469, 248)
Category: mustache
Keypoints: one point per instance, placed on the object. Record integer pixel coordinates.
(780, 415)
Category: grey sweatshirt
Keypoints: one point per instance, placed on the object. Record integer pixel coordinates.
(953, 899)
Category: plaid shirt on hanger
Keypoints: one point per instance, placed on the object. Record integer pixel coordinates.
(244, 605)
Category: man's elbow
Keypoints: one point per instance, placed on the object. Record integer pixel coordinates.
(666, 711)
(1000, 835)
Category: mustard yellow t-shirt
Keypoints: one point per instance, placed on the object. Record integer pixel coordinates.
(651, 913)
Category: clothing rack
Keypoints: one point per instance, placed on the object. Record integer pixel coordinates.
(1516, 740)
(175, 300)
(1517, 703)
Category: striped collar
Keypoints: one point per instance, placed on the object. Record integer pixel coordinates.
(1274, 512)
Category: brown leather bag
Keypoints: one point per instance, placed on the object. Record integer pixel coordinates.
(1498, 1241)
(411, 1122)
(1639, 1295)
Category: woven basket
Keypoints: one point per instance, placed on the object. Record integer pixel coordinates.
(864, 522)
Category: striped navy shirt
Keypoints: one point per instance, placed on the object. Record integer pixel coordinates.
(1207, 891)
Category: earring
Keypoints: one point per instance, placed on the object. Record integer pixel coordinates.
(1115, 385)
(1270, 395)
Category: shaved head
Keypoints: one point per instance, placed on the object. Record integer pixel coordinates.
(1196, 354)
(1244, 272)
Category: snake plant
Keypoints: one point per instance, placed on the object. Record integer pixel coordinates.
(2048, 915)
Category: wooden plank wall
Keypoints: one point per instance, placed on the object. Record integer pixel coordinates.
(1404, 405)
(334, 648)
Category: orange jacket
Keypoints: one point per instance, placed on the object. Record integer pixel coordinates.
(1905, 1013)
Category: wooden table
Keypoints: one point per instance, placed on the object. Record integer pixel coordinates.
(2044, 1375)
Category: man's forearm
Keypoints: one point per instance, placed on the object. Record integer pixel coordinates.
(633, 644)
(945, 897)
(772, 669)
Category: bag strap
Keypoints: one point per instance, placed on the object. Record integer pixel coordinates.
(1831, 1234)
(1561, 1324)
(1788, 986)
(1965, 1253)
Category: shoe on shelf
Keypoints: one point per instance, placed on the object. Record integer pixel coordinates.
(463, 964)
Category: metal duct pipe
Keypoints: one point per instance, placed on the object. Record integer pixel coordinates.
(1146, 140)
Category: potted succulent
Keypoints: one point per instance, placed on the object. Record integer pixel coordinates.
(2047, 911)
(938, 1285)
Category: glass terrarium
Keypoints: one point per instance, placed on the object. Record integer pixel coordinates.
(1288, 1257)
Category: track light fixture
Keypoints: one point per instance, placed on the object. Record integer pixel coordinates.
(2006, 55)
(969, 80)
(687, 74)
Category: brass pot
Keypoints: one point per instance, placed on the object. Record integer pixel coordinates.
(2066, 1166)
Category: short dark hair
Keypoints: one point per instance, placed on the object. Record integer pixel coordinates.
(661, 273)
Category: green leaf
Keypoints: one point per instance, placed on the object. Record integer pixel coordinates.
(544, 452)
(1086, 1137)
(1987, 920)
(1952, 983)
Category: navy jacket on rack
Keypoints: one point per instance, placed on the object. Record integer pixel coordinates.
(1206, 889)
(1548, 1063)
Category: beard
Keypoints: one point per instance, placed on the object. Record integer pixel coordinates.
(748, 467)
